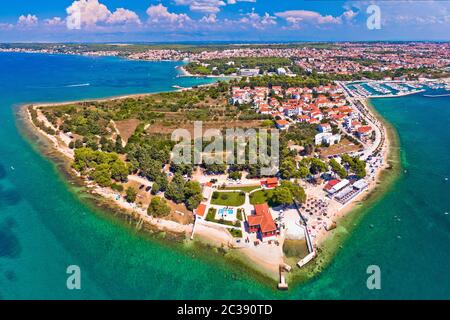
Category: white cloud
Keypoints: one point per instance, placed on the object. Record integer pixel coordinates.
(295, 18)
(212, 18)
(6, 26)
(90, 13)
(55, 21)
(160, 14)
(409, 13)
(257, 21)
(87, 12)
(27, 21)
(349, 15)
(123, 16)
(236, 1)
(205, 6)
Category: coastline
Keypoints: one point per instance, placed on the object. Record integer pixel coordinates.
(329, 245)
(351, 215)
(108, 207)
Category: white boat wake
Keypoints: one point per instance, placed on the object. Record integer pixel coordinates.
(78, 85)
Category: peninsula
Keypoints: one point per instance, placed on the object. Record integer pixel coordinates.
(333, 148)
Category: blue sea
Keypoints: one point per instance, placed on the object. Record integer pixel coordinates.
(45, 225)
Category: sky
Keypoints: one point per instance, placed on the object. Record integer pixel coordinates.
(223, 20)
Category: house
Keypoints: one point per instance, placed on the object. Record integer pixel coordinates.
(200, 212)
(281, 71)
(264, 110)
(207, 190)
(282, 124)
(327, 137)
(317, 115)
(324, 127)
(291, 111)
(278, 90)
(270, 183)
(249, 72)
(303, 118)
(334, 186)
(330, 184)
(323, 101)
(262, 222)
(364, 131)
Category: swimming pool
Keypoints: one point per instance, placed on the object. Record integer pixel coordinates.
(225, 211)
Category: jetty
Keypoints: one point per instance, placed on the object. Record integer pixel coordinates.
(436, 95)
(282, 285)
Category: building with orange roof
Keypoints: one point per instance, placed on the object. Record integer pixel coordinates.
(262, 222)
(364, 130)
(282, 124)
(200, 212)
(270, 182)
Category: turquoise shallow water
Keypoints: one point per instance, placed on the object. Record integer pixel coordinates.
(44, 227)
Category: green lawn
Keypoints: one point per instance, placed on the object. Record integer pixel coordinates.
(235, 233)
(231, 199)
(260, 197)
(211, 216)
(242, 188)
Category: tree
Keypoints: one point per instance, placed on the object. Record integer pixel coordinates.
(303, 172)
(281, 196)
(235, 175)
(317, 166)
(158, 207)
(175, 189)
(119, 171)
(131, 194)
(192, 194)
(215, 168)
(184, 169)
(78, 144)
(92, 144)
(287, 169)
(298, 193)
(155, 188)
(162, 181)
(193, 201)
(360, 169)
(151, 169)
(356, 165)
(338, 169)
(103, 141)
(101, 175)
(119, 147)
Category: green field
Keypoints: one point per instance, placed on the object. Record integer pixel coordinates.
(261, 196)
(231, 199)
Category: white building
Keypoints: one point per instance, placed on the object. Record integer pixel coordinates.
(281, 71)
(339, 186)
(327, 137)
(324, 127)
(249, 72)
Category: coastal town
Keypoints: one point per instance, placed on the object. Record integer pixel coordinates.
(344, 58)
(333, 147)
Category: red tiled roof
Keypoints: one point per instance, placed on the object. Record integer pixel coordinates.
(201, 209)
(331, 184)
(271, 180)
(282, 122)
(364, 129)
(262, 218)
